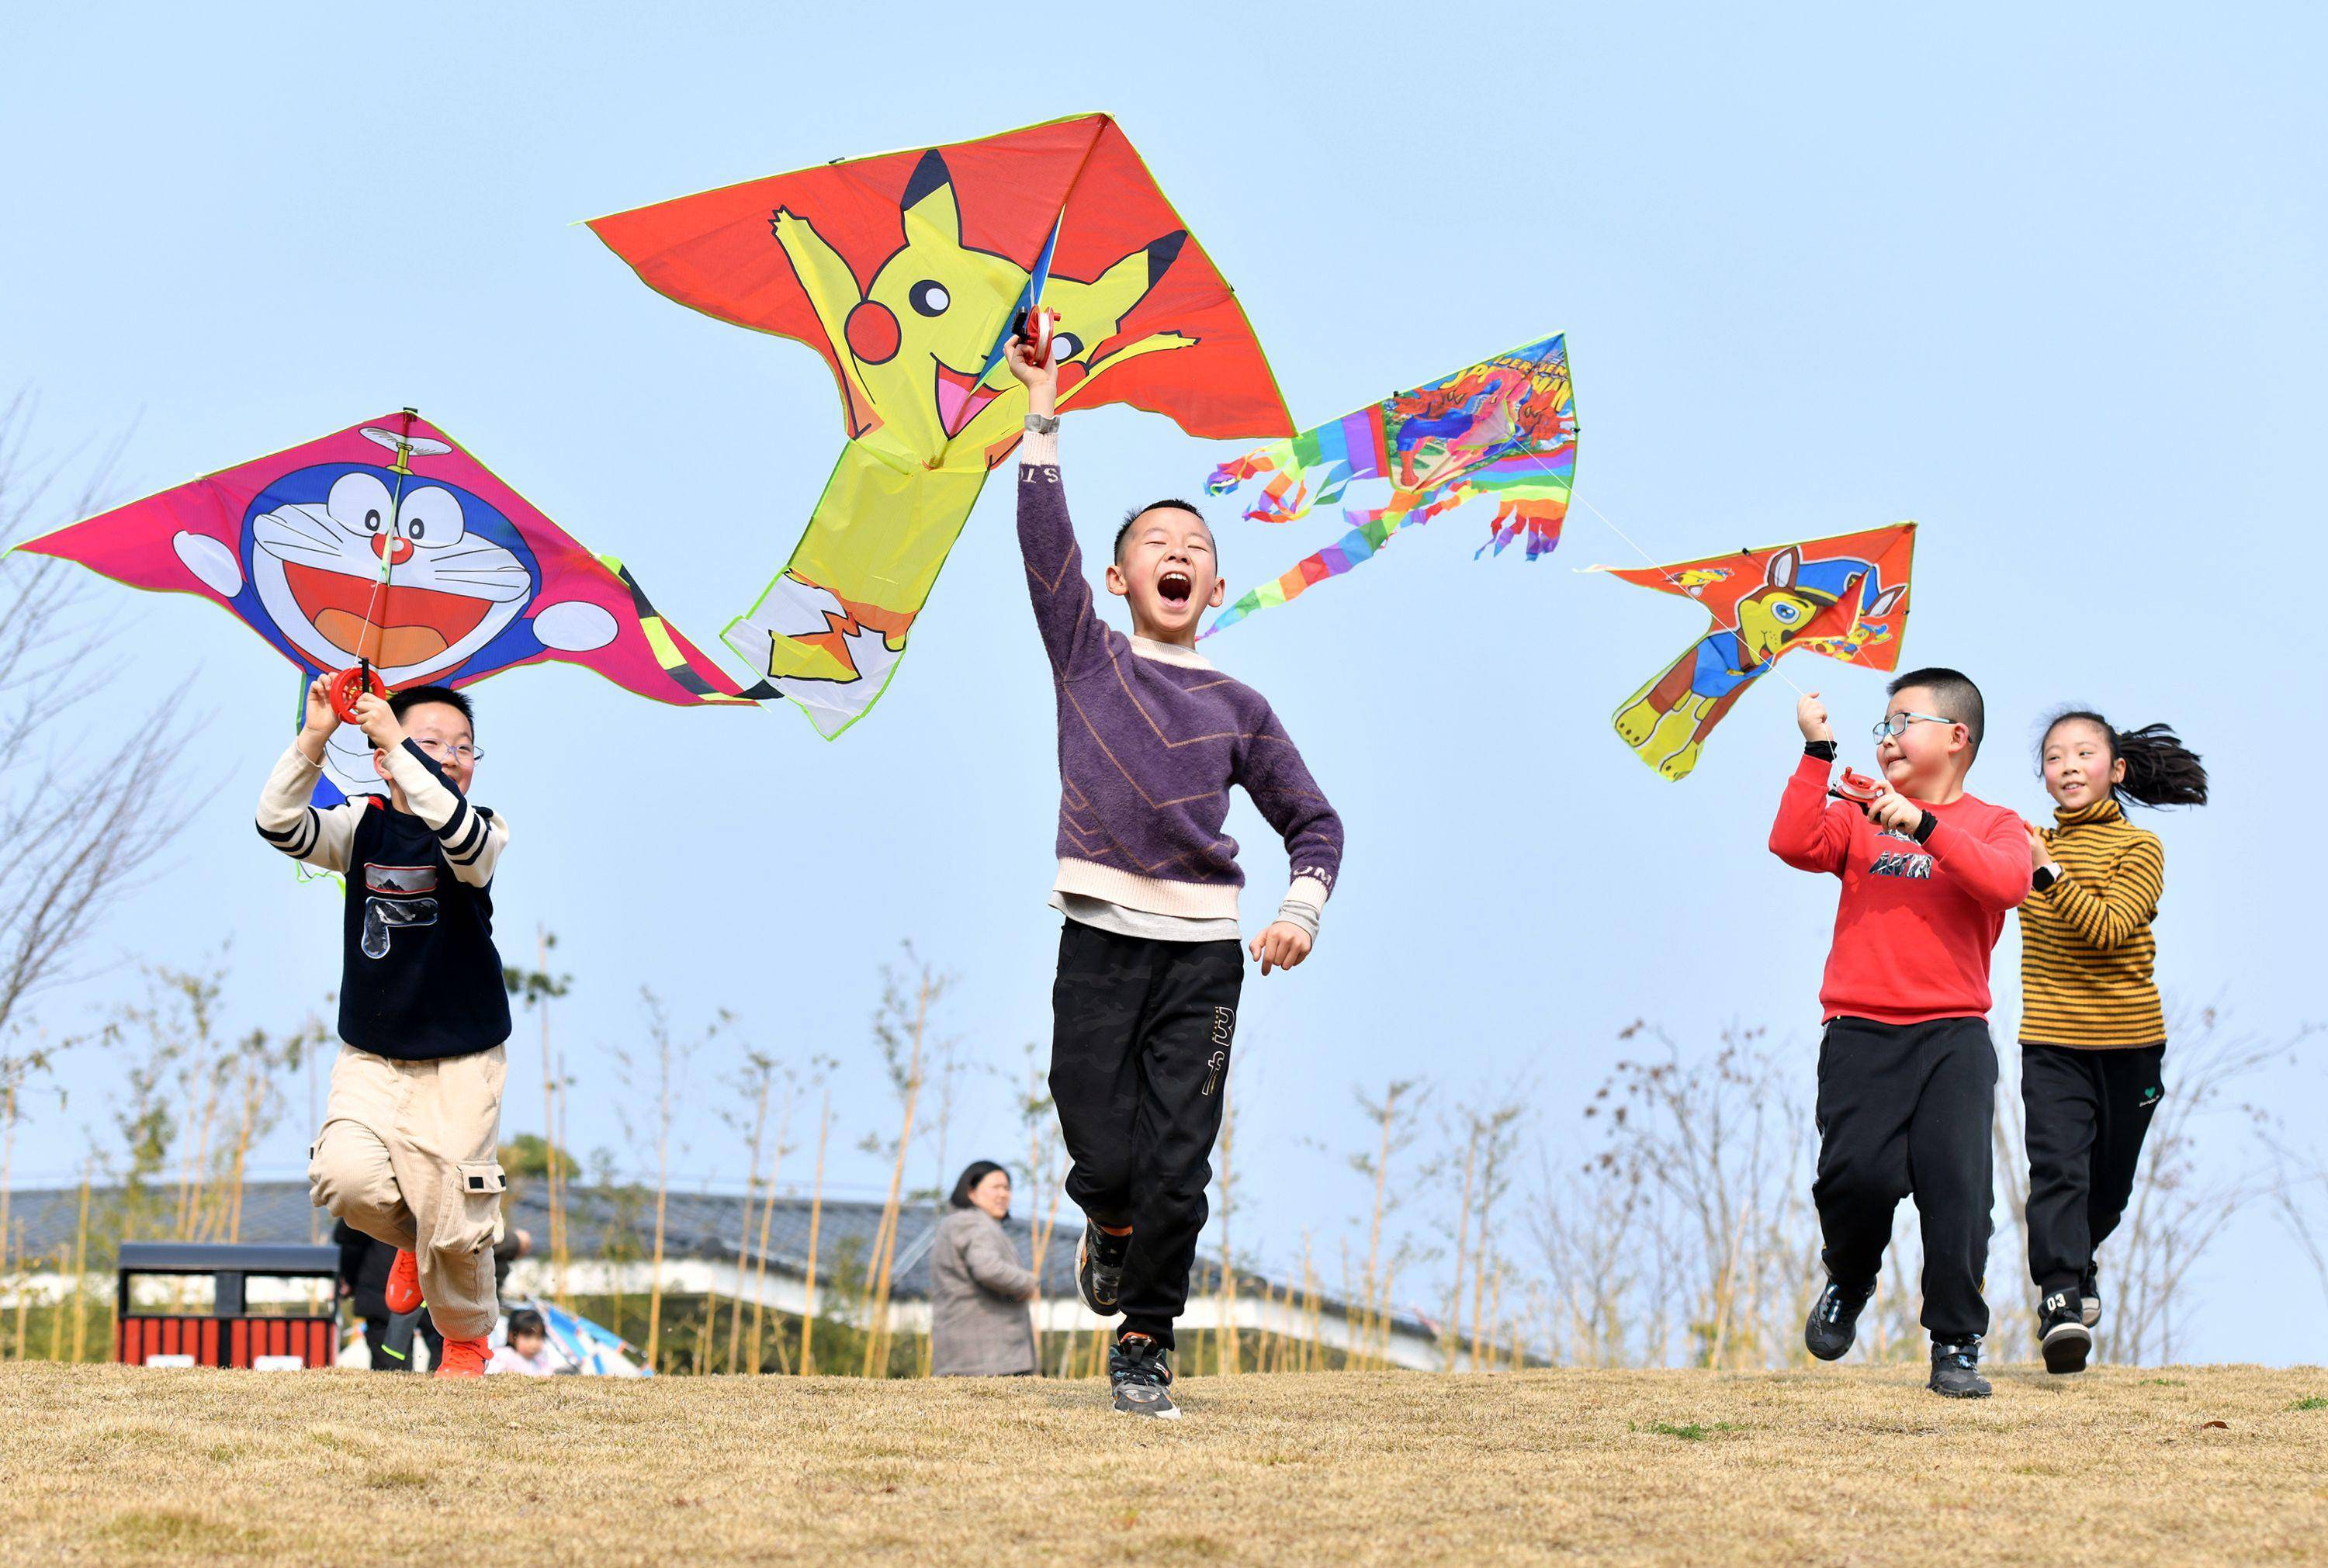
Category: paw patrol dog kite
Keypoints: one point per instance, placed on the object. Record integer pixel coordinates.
(1844, 597)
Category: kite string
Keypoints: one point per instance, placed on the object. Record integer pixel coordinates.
(377, 603)
(1772, 668)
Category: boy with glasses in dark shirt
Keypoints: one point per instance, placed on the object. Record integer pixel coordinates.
(408, 1153)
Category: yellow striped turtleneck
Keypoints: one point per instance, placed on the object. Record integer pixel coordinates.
(2087, 951)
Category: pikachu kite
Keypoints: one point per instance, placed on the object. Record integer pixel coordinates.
(908, 272)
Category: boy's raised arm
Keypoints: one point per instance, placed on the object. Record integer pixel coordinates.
(1055, 562)
(1807, 835)
(285, 819)
(1046, 536)
(472, 839)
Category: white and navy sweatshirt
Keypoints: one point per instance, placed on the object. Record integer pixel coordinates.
(421, 979)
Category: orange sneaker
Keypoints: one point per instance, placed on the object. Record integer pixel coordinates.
(464, 1358)
(403, 1289)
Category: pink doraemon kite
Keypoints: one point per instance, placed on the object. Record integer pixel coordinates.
(387, 546)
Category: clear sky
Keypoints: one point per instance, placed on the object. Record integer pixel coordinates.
(2047, 280)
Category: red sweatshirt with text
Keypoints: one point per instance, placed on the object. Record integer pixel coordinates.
(1917, 923)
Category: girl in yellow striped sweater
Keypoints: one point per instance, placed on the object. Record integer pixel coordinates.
(2092, 1030)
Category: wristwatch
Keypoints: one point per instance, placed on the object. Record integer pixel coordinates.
(2044, 877)
(1043, 423)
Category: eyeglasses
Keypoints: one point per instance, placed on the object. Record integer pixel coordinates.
(1896, 723)
(442, 753)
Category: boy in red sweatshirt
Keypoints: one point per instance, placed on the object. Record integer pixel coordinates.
(1907, 1074)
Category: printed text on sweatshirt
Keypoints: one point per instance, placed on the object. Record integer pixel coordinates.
(1150, 739)
(1915, 922)
(2087, 951)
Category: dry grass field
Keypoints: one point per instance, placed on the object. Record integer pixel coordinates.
(1831, 1466)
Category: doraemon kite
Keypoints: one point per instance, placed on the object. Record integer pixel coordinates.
(387, 545)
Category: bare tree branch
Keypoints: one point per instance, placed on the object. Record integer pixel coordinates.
(83, 821)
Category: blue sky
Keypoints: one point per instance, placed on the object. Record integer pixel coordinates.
(2046, 281)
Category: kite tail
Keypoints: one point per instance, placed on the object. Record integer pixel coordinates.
(1237, 470)
(1541, 520)
(1285, 499)
(1358, 545)
(679, 659)
(1290, 494)
(829, 630)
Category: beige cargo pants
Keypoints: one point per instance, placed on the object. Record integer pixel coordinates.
(410, 1154)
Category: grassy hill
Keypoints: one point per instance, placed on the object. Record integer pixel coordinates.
(1842, 1465)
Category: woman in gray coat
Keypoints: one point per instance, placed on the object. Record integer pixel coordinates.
(979, 1323)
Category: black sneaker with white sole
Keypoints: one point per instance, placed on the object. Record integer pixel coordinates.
(2062, 1336)
(1140, 1370)
(1955, 1369)
(1099, 1269)
(2089, 1298)
(1833, 1322)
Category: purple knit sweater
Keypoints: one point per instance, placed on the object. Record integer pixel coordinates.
(1150, 739)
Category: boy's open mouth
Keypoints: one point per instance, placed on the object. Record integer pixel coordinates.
(1175, 586)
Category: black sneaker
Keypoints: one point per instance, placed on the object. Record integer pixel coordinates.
(1833, 1322)
(2090, 1297)
(1140, 1371)
(1099, 1269)
(1955, 1369)
(2061, 1332)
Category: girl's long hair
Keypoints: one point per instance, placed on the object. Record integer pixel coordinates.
(2160, 770)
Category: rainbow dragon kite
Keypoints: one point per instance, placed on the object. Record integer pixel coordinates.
(1504, 427)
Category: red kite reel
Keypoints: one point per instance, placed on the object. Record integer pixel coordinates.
(1858, 789)
(1036, 328)
(351, 683)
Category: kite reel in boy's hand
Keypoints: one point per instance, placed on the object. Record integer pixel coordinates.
(1858, 789)
(1036, 327)
(351, 683)
(1883, 806)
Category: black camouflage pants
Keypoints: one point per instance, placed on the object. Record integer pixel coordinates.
(1139, 1051)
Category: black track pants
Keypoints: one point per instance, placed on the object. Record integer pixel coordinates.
(1905, 1110)
(2087, 1112)
(1139, 1050)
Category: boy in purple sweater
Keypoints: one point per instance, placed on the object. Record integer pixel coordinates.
(1150, 739)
